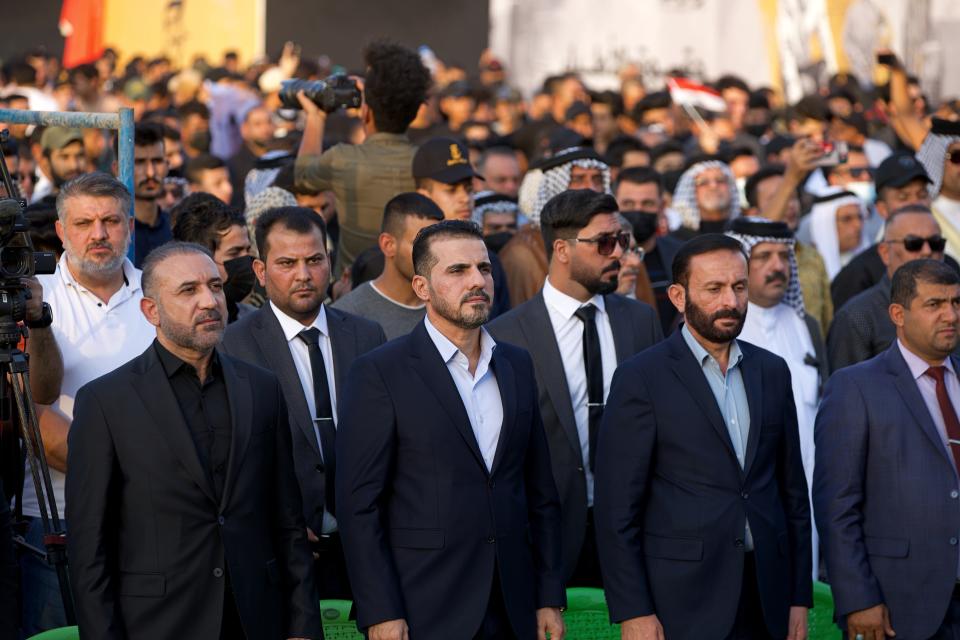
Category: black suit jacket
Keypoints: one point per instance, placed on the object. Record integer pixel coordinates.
(672, 499)
(259, 339)
(149, 544)
(425, 526)
(635, 327)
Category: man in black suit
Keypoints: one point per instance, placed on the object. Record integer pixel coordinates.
(187, 520)
(577, 331)
(703, 521)
(449, 514)
(294, 268)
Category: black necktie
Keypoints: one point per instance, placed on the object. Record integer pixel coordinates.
(593, 363)
(324, 409)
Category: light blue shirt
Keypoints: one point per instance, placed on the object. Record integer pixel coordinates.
(478, 390)
(731, 397)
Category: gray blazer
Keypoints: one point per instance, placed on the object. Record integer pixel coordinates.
(635, 327)
(885, 496)
(258, 339)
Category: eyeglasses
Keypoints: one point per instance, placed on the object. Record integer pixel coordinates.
(607, 242)
(954, 156)
(915, 243)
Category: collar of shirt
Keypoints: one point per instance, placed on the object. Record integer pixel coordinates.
(449, 351)
(565, 305)
(917, 365)
(172, 364)
(381, 137)
(703, 356)
(292, 328)
(160, 222)
(131, 276)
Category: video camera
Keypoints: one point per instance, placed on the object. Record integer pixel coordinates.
(331, 94)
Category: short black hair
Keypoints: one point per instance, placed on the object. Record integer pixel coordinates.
(609, 98)
(651, 101)
(903, 288)
(705, 243)
(193, 108)
(569, 211)
(145, 134)
(423, 258)
(731, 81)
(811, 107)
(408, 205)
(665, 147)
(368, 265)
(620, 146)
(87, 70)
(639, 175)
(200, 202)
(205, 226)
(195, 167)
(297, 219)
(395, 85)
(753, 182)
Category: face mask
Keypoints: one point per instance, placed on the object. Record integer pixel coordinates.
(864, 190)
(644, 224)
(240, 278)
(756, 130)
(201, 141)
(496, 241)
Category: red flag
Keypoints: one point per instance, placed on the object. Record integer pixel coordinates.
(81, 23)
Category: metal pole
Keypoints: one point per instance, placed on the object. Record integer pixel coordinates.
(125, 163)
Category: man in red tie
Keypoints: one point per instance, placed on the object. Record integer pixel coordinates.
(886, 483)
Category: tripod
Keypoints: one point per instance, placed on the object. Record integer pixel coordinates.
(15, 382)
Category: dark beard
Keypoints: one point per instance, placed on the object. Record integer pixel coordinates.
(595, 284)
(704, 324)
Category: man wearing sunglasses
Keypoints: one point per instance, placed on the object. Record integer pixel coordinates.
(577, 331)
(862, 328)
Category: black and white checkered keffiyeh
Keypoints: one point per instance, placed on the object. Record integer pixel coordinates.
(487, 201)
(793, 298)
(932, 155)
(557, 180)
(685, 195)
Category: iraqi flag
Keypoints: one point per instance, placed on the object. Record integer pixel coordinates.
(688, 93)
(81, 24)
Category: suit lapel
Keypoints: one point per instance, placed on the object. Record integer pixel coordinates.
(620, 327)
(753, 382)
(156, 394)
(507, 382)
(343, 342)
(537, 329)
(426, 361)
(273, 345)
(241, 410)
(907, 386)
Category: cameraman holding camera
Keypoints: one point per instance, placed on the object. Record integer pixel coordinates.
(365, 176)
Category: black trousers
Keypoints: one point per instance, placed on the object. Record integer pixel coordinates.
(496, 621)
(587, 571)
(330, 569)
(749, 624)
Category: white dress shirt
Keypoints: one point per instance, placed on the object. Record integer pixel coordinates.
(94, 337)
(478, 391)
(301, 360)
(568, 330)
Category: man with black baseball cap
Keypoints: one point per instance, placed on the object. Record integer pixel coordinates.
(900, 181)
(442, 172)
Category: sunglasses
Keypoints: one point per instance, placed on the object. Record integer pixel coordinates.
(915, 243)
(608, 242)
(954, 156)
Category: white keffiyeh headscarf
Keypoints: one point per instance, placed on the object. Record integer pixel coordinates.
(685, 195)
(793, 298)
(823, 228)
(557, 180)
(933, 153)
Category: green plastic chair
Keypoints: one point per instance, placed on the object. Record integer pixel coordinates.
(336, 623)
(820, 624)
(63, 633)
(587, 617)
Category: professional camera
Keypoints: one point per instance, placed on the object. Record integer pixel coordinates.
(331, 94)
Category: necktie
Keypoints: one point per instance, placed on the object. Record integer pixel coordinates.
(324, 409)
(948, 412)
(593, 363)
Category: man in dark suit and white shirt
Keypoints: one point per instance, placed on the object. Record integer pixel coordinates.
(885, 484)
(703, 518)
(577, 331)
(449, 513)
(186, 515)
(310, 348)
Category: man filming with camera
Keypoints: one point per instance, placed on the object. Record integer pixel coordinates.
(365, 177)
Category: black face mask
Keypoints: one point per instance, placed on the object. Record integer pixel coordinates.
(240, 278)
(644, 224)
(201, 141)
(756, 130)
(496, 241)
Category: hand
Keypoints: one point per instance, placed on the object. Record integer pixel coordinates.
(310, 109)
(289, 59)
(802, 158)
(872, 623)
(797, 627)
(312, 537)
(35, 302)
(389, 630)
(550, 621)
(642, 628)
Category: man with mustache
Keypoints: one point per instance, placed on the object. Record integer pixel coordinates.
(447, 507)
(62, 159)
(577, 330)
(778, 321)
(187, 516)
(703, 519)
(151, 224)
(94, 298)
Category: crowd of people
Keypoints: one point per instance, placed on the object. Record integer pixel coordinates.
(457, 349)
